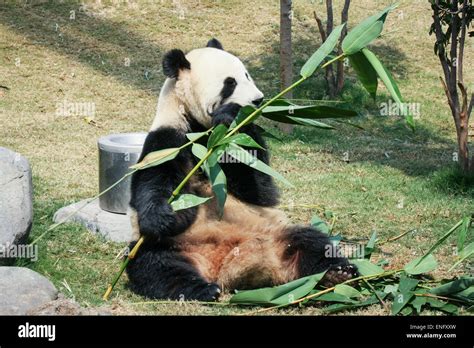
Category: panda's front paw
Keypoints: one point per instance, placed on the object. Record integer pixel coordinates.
(339, 274)
(207, 293)
(224, 119)
(225, 114)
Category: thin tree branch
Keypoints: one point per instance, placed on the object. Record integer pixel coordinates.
(450, 101)
(454, 55)
(439, 40)
(330, 22)
(471, 104)
(322, 32)
(462, 39)
(464, 107)
(330, 78)
(340, 64)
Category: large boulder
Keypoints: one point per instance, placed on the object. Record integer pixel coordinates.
(23, 290)
(16, 198)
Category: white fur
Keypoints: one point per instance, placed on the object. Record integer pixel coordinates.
(197, 91)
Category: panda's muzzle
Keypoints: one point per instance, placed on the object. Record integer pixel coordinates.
(257, 102)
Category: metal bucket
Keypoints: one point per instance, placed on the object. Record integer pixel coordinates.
(117, 152)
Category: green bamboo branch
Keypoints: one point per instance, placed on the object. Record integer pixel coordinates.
(201, 162)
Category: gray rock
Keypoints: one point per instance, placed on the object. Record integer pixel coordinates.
(23, 290)
(114, 227)
(16, 198)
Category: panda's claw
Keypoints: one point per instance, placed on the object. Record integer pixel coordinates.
(338, 274)
(208, 293)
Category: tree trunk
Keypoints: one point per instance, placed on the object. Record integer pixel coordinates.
(330, 78)
(334, 80)
(286, 61)
(340, 64)
(452, 64)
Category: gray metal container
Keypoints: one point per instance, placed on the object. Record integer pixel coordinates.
(117, 152)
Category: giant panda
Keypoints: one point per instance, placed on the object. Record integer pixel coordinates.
(194, 254)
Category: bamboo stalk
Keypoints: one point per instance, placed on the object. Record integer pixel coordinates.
(440, 297)
(395, 238)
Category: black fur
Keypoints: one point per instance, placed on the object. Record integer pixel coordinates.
(173, 62)
(151, 188)
(244, 182)
(157, 271)
(215, 44)
(229, 87)
(315, 251)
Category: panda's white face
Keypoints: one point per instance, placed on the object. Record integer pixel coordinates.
(218, 78)
(200, 82)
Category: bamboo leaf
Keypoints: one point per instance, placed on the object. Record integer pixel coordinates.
(418, 302)
(390, 83)
(400, 301)
(466, 253)
(278, 295)
(156, 158)
(364, 33)
(463, 232)
(341, 306)
(244, 112)
(311, 123)
(241, 139)
(370, 246)
(215, 174)
(334, 297)
(199, 150)
(245, 157)
(320, 224)
(467, 295)
(186, 201)
(419, 266)
(442, 306)
(219, 186)
(308, 111)
(367, 268)
(326, 48)
(366, 72)
(407, 284)
(347, 290)
(453, 287)
(216, 155)
(217, 134)
(407, 310)
(196, 136)
(440, 241)
(391, 289)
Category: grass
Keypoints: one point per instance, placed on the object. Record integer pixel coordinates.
(384, 178)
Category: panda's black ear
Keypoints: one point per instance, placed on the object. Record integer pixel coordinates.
(215, 43)
(173, 62)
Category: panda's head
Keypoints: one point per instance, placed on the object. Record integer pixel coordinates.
(207, 78)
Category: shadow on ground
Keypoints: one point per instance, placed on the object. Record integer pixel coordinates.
(106, 46)
(103, 45)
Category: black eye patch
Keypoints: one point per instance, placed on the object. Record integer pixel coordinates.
(229, 87)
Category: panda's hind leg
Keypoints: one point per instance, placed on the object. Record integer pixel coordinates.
(308, 251)
(161, 273)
